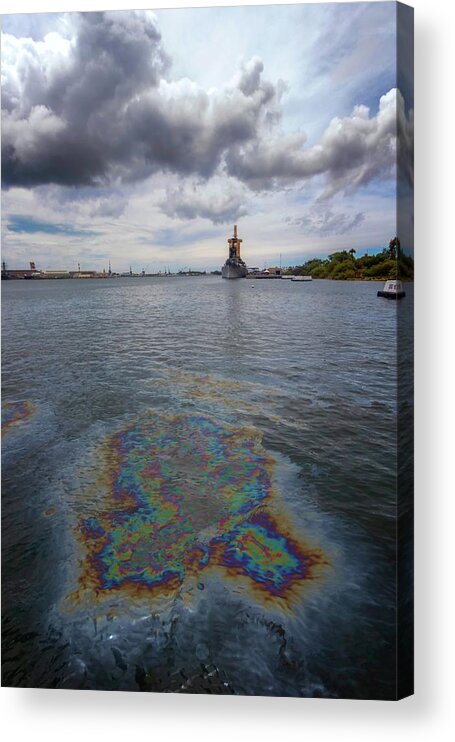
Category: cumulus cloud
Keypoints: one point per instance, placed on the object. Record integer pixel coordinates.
(352, 151)
(326, 222)
(182, 128)
(97, 107)
(249, 77)
(220, 199)
(63, 100)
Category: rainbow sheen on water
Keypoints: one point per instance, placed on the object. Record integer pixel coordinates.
(14, 413)
(184, 495)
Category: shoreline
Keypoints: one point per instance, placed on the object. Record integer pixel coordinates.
(366, 279)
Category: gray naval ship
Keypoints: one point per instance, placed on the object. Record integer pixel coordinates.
(234, 266)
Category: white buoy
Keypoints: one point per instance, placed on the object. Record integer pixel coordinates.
(392, 290)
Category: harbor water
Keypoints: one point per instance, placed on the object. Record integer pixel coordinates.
(286, 392)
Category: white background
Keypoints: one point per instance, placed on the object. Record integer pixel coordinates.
(81, 715)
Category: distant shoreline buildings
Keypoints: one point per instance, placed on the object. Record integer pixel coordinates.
(38, 275)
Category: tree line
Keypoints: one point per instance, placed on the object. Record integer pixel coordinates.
(344, 265)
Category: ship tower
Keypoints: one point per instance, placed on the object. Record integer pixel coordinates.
(234, 266)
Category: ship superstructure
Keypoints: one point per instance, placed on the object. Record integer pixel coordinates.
(234, 266)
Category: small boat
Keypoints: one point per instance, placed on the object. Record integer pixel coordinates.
(301, 278)
(392, 290)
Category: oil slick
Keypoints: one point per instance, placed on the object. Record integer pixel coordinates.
(179, 499)
(15, 413)
(215, 393)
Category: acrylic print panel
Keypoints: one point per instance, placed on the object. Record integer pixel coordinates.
(207, 350)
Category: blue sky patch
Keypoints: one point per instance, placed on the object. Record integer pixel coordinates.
(30, 225)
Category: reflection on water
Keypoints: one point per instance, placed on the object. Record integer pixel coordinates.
(199, 486)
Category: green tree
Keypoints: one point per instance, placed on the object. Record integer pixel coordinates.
(343, 272)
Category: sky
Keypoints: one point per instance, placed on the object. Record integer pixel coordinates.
(141, 137)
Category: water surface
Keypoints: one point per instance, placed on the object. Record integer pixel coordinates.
(288, 392)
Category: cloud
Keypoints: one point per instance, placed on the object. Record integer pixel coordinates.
(249, 77)
(97, 107)
(63, 100)
(220, 199)
(325, 222)
(352, 151)
(111, 206)
(183, 129)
